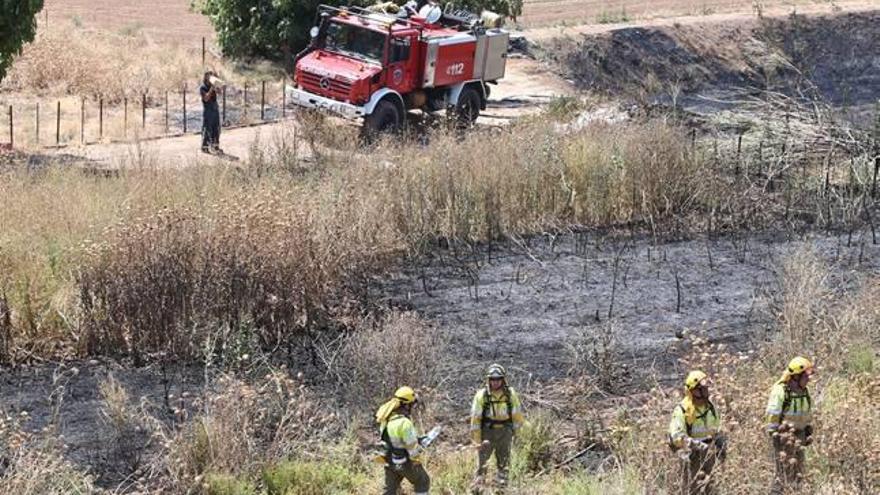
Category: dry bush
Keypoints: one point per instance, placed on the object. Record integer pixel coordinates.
(87, 63)
(250, 273)
(129, 431)
(803, 294)
(399, 350)
(529, 179)
(243, 427)
(32, 465)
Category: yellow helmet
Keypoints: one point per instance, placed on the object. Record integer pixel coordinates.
(694, 378)
(799, 365)
(406, 395)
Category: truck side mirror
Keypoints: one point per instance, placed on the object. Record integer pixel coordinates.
(314, 32)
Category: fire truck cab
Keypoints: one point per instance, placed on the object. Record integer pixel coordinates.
(376, 67)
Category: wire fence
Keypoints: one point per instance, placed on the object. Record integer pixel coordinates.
(148, 115)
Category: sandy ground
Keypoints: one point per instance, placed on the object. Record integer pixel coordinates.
(162, 20)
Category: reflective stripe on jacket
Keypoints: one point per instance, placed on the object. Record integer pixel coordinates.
(402, 435)
(797, 411)
(706, 424)
(496, 410)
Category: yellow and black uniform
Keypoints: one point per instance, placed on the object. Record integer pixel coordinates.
(790, 425)
(695, 432)
(495, 416)
(403, 450)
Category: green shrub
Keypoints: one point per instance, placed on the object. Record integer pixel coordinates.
(532, 446)
(453, 473)
(311, 478)
(860, 359)
(225, 484)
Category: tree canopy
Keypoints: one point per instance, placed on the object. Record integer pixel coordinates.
(18, 25)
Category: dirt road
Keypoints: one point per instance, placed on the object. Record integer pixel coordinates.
(526, 88)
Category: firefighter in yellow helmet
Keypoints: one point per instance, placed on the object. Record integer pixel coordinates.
(496, 415)
(695, 433)
(402, 444)
(789, 423)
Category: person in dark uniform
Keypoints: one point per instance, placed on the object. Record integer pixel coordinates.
(210, 115)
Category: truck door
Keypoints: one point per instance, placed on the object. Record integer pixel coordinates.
(401, 63)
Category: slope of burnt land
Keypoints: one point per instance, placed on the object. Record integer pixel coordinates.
(835, 56)
(529, 307)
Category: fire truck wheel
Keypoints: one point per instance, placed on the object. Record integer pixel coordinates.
(385, 118)
(468, 107)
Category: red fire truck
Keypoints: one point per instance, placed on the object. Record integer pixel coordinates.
(376, 66)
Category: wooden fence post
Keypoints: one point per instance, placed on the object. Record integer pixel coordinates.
(739, 145)
(245, 100)
(166, 112)
(223, 90)
(263, 101)
(101, 118)
(183, 96)
(143, 111)
(125, 116)
(58, 124)
(203, 51)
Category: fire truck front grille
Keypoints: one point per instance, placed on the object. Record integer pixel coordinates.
(325, 86)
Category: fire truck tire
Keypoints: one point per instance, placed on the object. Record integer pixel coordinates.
(468, 107)
(386, 117)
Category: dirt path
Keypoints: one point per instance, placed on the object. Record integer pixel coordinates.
(538, 34)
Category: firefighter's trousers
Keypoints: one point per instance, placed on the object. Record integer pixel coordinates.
(696, 471)
(788, 454)
(499, 441)
(413, 472)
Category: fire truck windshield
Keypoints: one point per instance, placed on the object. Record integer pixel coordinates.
(355, 42)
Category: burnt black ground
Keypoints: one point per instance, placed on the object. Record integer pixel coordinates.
(526, 307)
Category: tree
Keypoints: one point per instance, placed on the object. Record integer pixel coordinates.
(266, 28)
(18, 25)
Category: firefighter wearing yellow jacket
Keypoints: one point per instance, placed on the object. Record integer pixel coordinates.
(402, 444)
(695, 433)
(496, 414)
(789, 423)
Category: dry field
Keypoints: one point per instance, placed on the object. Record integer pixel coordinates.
(172, 20)
(228, 328)
(169, 21)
